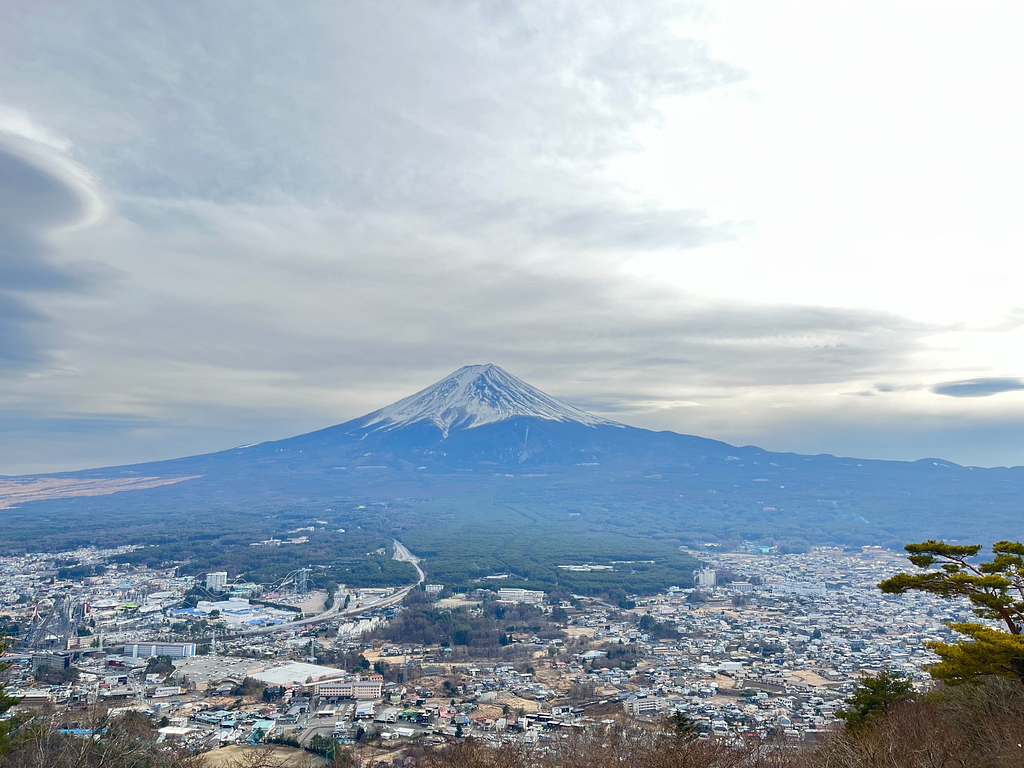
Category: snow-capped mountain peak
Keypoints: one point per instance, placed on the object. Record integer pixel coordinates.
(476, 395)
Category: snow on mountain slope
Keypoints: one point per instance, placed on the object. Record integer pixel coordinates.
(476, 395)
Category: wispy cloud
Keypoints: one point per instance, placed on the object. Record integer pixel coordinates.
(985, 387)
(36, 199)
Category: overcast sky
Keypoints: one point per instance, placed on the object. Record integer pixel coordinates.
(793, 225)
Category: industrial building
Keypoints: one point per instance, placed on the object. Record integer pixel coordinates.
(527, 596)
(293, 673)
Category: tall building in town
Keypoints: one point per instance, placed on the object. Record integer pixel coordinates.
(705, 577)
(216, 581)
(149, 650)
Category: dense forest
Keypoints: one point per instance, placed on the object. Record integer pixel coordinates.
(462, 541)
(354, 559)
(528, 544)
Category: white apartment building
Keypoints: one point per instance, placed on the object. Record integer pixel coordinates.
(650, 705)
(705, 577)
(149, 650)
(216, 581)
(363, 690)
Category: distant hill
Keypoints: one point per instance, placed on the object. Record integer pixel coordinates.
(482, 453)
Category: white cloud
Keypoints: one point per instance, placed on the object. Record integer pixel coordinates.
(18, 123)
(752, 209)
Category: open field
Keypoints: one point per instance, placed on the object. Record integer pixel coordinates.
(15, 492)
(284, 757)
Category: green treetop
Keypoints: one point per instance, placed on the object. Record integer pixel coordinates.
(995, 589)
(7, 725)
(875, 695)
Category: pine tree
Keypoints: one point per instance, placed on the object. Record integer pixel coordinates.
(994, 588)
(875, 695)
(8, 725)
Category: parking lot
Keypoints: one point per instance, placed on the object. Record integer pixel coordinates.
(204, 669)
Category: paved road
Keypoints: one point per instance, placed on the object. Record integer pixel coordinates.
(401, 553)
(404, 555)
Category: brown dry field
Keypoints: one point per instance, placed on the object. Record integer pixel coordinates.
(514, 702)
(286, 757)
(455, 602)
(15, 492)
(813, 679)
(574, 632)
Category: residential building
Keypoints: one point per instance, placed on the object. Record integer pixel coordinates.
(216, 581)
(148, 650)
(705, 577)
(635, 706)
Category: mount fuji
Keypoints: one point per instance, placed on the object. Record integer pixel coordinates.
(481, 443)
(479, 417)
(476, 395)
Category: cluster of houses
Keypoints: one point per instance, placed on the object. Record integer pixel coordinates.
(780, 653)
(763, 644)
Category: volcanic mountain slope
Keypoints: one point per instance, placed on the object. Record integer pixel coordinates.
(482, 439)
(480, 418)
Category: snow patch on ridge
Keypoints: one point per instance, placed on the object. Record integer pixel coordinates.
(476, 395)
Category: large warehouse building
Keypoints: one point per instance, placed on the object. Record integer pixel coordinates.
(148, 650)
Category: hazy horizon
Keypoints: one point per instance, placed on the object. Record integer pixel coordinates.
(384, 408)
